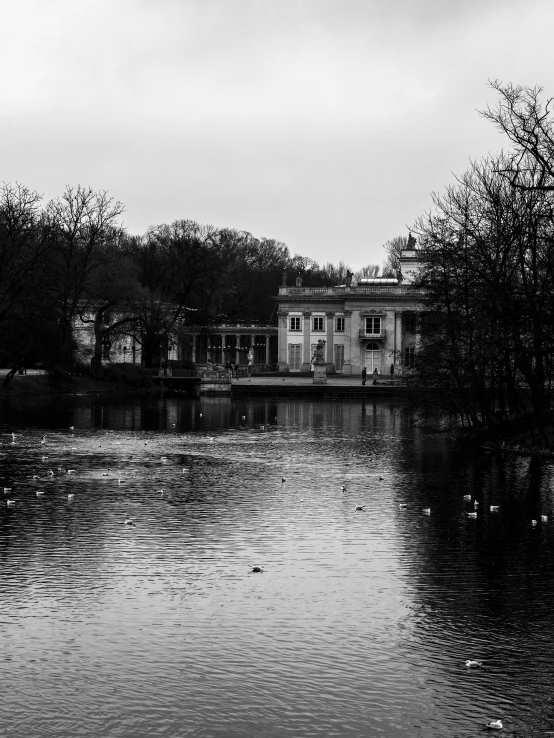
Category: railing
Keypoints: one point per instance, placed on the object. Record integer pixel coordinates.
(367, 289)
(170, 372)
(364, 335)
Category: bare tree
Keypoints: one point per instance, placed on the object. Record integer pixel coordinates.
(528, 123)
(394, 247)
(84, 237)
(23, 246)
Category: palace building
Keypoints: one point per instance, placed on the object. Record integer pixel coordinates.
(367, 323)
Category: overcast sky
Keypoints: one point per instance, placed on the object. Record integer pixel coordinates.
(325, 124)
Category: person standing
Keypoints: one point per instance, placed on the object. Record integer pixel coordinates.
(364, 375)
(375, 375)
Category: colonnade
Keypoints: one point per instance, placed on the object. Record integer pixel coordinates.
(238, 348)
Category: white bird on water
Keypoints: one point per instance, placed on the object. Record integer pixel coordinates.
(129, 522)
(257, 569)
(402, 506)
(70, 496)
(472, 664)
(39, 493)
(472, 515)
(10, 503)
(359, 507)
(494, 725)
(427, 511)
(533, 523)
(544, 518)
(494, 508)
(467, 498)
(7, 490)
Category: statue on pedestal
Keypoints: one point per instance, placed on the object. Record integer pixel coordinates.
(320, 366)
(319, 353)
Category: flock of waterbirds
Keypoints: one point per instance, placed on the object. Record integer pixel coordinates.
(129, 522)
(257, 568)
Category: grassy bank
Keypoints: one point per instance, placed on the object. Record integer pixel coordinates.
(116, 379)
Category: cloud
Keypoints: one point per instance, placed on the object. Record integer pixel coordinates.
(324, 123)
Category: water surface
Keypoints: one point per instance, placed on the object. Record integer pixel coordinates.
(361, 622)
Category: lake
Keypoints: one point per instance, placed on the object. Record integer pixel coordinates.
(359, 625)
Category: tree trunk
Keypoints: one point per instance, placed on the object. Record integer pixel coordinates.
(96, 360)
(9, 376)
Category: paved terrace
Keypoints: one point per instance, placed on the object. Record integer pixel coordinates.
(291, 384)
(337, 384)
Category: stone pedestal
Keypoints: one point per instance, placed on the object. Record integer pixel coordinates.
(320, 373)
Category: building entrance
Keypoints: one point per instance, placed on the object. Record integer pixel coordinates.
(372, 358)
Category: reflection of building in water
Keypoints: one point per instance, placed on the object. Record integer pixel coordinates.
(370, 322)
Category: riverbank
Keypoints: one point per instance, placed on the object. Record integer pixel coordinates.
(38, 382)
(517, 440)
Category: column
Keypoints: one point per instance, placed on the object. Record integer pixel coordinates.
(417, 341)
(307, 347)
(194, 348)
(347, 367)
(398, 342)
(267, 355)
(237, 352)
(330, 359)
(282, 358)
(250, 352)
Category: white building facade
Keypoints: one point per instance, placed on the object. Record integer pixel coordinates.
(371, 324)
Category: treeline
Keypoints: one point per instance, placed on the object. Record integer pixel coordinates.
(487, 346)
(70, 260)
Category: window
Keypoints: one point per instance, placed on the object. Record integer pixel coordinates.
(318, 324)
(339, 358)
(373, 326)
(295, 357)
(339, 325)
(409, 354)
(295, 324)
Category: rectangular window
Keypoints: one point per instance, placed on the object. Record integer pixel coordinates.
(339, 325)
(409, 354)
(318, 324)
(339, 358)
(295, 357)
(295, 324)
(373, 326)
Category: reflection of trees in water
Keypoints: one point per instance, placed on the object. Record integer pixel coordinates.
(481, 588)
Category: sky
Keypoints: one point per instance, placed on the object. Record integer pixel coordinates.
(324, 124)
